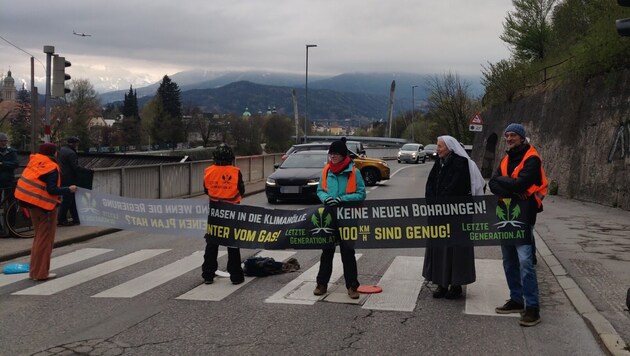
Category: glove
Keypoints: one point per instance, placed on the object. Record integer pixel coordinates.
(332, 201)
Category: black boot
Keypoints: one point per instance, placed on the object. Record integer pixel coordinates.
(440, 292)
(454, 293)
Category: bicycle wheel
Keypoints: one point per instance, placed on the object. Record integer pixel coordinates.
(18, 223)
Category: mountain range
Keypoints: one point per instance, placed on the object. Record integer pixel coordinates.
(345, 96)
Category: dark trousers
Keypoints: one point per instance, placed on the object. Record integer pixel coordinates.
(349, 266)
(210, 264)
(68, 204)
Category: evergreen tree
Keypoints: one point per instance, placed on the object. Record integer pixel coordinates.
(168, 124)
(131, 126)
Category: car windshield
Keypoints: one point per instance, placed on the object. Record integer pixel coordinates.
(430, 147)
(305, 160)
(409, 147)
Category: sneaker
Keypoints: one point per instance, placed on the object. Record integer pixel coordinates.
(321, 289)
(510, 307)
(454, 293)
(530, 317)
(208, 281)
(440, 292)
(353, 293)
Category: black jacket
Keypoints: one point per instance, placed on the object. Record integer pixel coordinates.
(8, 164)
(69, 164)
(449, 177)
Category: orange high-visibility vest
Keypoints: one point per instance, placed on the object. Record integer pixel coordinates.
(539, 191)
(351, 187)
(31, 189)
(222, 183)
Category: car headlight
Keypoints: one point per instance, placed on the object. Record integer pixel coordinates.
(314, 181)
(384, 163)
(413, 155)
(271, 182)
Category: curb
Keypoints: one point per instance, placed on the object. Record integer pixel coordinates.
(601, 328)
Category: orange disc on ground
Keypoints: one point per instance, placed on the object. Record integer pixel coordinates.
(369, 289)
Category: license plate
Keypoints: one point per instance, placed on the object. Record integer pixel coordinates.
(292, 189)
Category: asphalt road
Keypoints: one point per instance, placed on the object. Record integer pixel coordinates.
(85, 311)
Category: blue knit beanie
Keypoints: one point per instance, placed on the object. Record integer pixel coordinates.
(517, 129)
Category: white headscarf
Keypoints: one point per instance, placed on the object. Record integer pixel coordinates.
(476, 179)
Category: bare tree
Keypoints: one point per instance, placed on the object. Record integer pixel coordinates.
(451, 105)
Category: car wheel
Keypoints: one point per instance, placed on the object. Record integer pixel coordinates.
(370, 176)
(398, 161)
(424, 160)
(417, 160)
(272, 200)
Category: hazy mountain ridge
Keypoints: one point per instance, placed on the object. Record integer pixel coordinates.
(345, 96)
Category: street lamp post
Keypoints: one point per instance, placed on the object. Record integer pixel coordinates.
(413, 109)
(306, 91)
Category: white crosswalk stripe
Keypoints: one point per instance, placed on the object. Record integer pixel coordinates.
(155, 278)
(401, 285)
(401, 282)
(300, 290)
(222, 287)
(57, 262)
(489, 291)
(59, 284)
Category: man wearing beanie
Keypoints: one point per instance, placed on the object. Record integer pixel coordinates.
(340, 182)
(520, 176)
(38, 189)
(8, 164)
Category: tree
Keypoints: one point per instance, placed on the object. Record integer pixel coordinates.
(131, 125)
(21, 121)
(451, 105)
(527, 29)
(168, 125)
(72, 118)
(277, 131)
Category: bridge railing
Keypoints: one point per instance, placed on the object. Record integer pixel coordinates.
(182, 180)
(173, 180)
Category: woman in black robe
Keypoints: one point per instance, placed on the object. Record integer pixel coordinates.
(451, 176)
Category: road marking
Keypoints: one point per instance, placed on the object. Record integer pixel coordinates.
(223, 287)
(61, 283)
(155, 278)
(489, 291)
(401, 285)
(300, 290)
(57, 262)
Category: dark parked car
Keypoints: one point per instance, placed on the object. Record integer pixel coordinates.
(297, 177)
(373, 170)
(430, 151)
(412, 152)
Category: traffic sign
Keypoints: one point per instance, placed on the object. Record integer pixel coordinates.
(476, 120)
(476, 123)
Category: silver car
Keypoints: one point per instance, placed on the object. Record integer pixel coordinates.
(412, 152)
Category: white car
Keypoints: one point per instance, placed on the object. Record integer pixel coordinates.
(412, 152)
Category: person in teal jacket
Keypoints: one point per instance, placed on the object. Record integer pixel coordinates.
(341, 182)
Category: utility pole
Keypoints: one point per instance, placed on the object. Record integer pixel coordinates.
(49, 50)
(34, 109)
(391, 106)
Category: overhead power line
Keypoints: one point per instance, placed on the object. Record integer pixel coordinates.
(9, 42)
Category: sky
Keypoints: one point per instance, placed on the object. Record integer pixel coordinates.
(138, 42)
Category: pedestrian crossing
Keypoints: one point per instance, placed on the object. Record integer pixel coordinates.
(401, 282)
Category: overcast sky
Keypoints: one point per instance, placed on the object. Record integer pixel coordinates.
(133, 40)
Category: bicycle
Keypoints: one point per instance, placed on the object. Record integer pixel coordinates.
(15, 219)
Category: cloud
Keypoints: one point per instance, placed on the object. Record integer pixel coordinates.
(136, 41)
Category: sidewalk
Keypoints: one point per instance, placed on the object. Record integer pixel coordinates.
(587, 247)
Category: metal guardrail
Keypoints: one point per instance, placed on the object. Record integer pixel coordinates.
(173, 180)
(185, 179)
